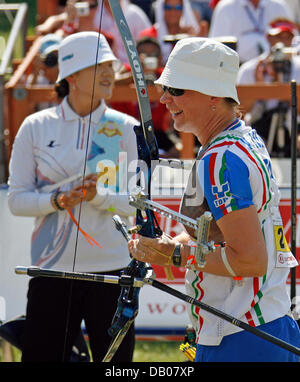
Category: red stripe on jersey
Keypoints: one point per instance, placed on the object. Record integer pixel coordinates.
(252, 160)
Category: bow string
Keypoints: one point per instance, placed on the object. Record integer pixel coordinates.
(148, 154)
(90, 240)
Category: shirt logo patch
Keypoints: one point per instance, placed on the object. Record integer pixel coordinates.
(110, 129)
(52, 144)
(68, 57)
(222, 194)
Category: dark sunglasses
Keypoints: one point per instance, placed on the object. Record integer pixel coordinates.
(168, 7)
(173, 91)
(51, 60)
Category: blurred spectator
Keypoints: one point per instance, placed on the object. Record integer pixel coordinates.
(77, 18)
(71, 22)
(135, 17)
(294, 5)
(151, 60)
(248, 21)
(86, 16)
(45, 67)
(203, 8)
(271, 118)
(74, 18)
(173, 18)
(147, 7)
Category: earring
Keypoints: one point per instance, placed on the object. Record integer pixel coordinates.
(213, 108)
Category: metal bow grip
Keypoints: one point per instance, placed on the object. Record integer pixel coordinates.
(203, 245)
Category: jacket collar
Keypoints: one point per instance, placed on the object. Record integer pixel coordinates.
(68, 114)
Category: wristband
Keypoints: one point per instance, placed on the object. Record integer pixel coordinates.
(54, 198)
(176, 257)
(225, 261)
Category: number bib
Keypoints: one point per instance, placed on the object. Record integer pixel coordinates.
(285, 258)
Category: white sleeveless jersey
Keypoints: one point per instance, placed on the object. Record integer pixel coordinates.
(233, 173)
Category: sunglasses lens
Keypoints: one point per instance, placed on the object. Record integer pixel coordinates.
(175, 7)
(173, 91)
(51, 60)
(177, 92)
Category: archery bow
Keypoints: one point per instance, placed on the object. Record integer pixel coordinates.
(146, 142)
(147, 148)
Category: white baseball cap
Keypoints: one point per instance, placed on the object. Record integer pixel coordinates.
(204, 65)
(80, 50)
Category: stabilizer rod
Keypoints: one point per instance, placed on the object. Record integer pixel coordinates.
(130, 281)
(224, 316)
(123, 280)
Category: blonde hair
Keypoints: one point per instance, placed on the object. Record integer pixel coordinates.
(230, 102)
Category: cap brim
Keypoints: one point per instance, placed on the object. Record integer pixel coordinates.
(211, 86)
(117, 64)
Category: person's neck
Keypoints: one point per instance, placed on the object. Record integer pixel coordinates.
(255, 3)
(213, 127)
(81, 106)
(173, 28)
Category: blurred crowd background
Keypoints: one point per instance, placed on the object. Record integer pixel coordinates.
(265, 33)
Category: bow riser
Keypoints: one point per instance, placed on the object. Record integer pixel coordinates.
(149, 226)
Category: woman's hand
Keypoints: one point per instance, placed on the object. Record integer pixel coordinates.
(71, 11)
(88, 187)
(263, 69)
(155, 251)
(85, 191)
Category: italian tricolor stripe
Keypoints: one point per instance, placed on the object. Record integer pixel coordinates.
(199, 293)
(255, 303)
(254, 159)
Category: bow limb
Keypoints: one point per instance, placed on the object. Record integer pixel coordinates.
(138, 76)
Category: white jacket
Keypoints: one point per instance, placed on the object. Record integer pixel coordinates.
(50, 147)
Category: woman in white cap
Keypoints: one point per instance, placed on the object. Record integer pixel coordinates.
(246, 275)
(80, 136)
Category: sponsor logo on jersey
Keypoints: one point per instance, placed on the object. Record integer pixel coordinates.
(222, 194)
